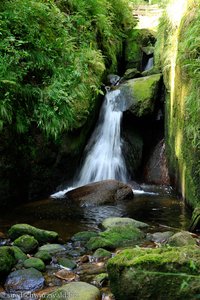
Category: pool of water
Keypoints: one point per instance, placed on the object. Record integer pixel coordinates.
(158, 206)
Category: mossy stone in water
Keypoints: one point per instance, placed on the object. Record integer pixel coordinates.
(43, 255)
(26, 243)
(7, 259)
(42, 236)
(102, 254)
(75, 291)
(67, 263)
(182, 238)
(165, 273)
(35, 263)
(117, 221)
(52, 249)
(19, 254)
(84, 236)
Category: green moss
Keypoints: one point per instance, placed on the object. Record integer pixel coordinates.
(35, 263)
(26, 243)
(19, 254)
(84, 235)
(102, 253)
(44, 256)
(7, 260)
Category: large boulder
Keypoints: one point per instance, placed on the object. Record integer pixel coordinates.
(75, 291)
(101, 192)
(28, 280)
(42, 236)
(165, 273)
(7, 260)
(141, 94)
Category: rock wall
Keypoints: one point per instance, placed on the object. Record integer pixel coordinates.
(177, 51)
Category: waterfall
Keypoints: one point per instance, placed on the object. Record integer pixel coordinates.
(104, 159)
(103, 154)
(149, 64)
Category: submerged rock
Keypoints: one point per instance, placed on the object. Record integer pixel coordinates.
(165, 273)
(42, 236)
(29, 280)
(7, 259)
(75, 291)
(101, 192)
(117, 221)
(26, 243)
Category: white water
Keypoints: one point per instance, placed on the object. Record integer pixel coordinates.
(103, 158)
(149, 64)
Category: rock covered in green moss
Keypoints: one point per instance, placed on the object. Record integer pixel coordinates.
(100, 279)
(115, 237)
(67, 263)
(43, 255)
(131, 73)
(7, 259)
(29, 280)
(84, 236)
(101, 254)
(182, 238)
(19, 254)
(42, 236)
(26, 243)
(35, 263)
(52, 249)
(75, 291)
(141, 94)
(171, 273)
(117, 221)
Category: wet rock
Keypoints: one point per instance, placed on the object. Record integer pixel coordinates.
(148, 50)
(106, 191)
(19, 254)
(113, 79)
(101, 254)
(43, 255)
(29, 280)
(84, 236)
(66, 275)
(66, 263)
(151, 71)
(117, 221)
(131, 73)
(160, 237)
(117, 236)
(156, 170)
(141, 94)
(76, 291)
(182, 238)
(26, 243)
(35, 263)
(162, 273)
(100, 280)
(52, 249)
(42, 236)
(7, 259)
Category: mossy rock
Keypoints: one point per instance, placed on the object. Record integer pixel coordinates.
(75, 291)
(115, 237)
(131, 73)
(35, 263)
(44, 255)
(42, 236)
(26, 243)
(67, 263)
(100, 279)
(151, 71)
(180, 239)
(141, 94)
(102, 254)
(117, 221)
(19, 254)
(171, 273)
(7, 259)
(84, 236)
(52, 249)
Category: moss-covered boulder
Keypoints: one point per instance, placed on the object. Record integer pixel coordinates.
(84, 236)
(117, 221)
(66, 263)
(131, 73)
(75, 291)
(26, 243)
(115, 237)
(141, 94)
(182, 238)
(35, 263)
(7, 260)
(42, 236)
(165, 273)
(27, 280)
(102, 254)
(52, 249)
(44, 255)
(19, 254)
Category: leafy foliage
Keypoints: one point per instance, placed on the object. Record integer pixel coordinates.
(53, 55)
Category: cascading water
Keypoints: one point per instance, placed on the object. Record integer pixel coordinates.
(104, 158)
(149, 64)
(103, 154)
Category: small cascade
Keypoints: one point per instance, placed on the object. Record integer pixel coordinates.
(104, 158)
(103, 153)
(149, 64)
